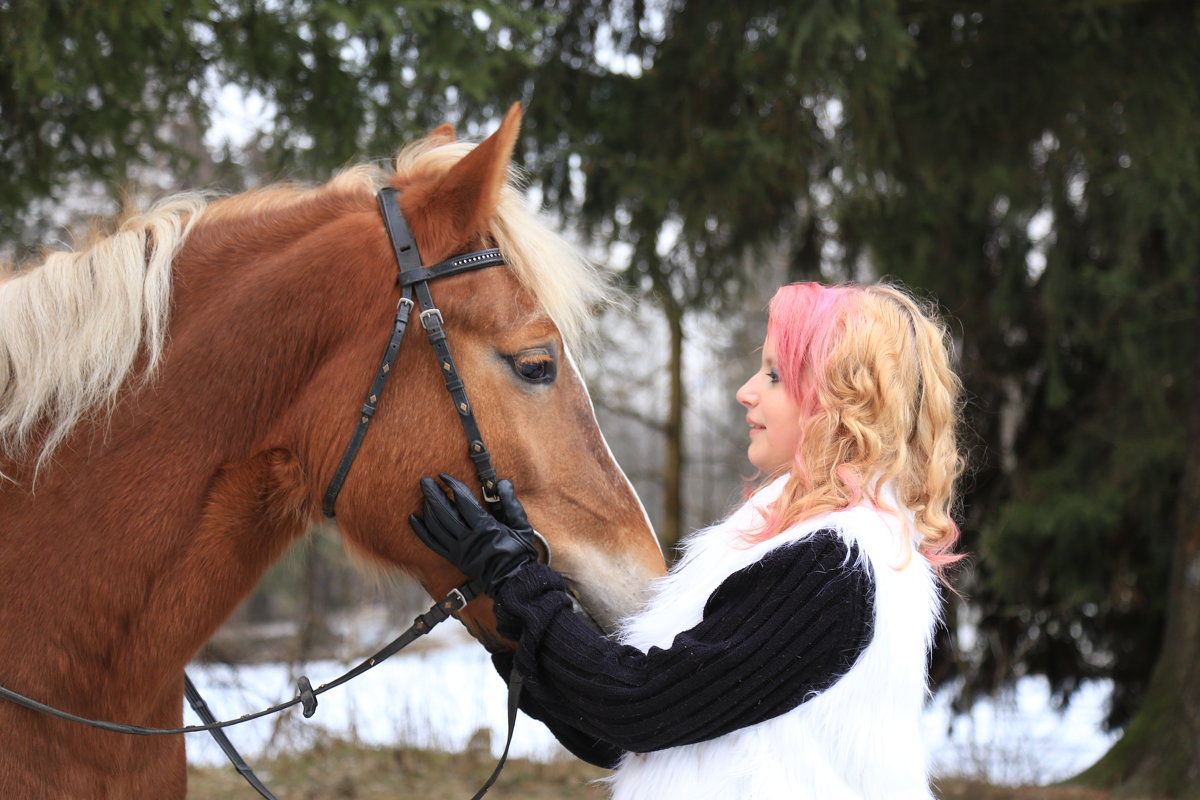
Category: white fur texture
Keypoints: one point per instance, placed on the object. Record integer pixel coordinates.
(858, 740)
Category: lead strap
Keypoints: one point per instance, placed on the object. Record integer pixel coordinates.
(515, 681)
(206, 716)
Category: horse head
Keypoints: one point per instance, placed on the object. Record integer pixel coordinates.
(509, 332)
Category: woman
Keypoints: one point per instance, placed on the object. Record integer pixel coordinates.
(785, 653)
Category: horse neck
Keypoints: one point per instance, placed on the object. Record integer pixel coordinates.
(153, 524)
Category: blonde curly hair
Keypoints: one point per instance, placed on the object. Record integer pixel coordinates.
(870, 368)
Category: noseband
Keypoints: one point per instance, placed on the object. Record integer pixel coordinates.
(413, 278)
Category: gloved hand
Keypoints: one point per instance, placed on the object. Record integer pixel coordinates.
(466, 535)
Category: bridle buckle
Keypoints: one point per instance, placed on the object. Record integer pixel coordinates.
(455, 601)
(430, 313)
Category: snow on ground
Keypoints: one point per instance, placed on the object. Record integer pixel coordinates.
(443, 694)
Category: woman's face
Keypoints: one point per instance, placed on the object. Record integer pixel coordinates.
(773, 416)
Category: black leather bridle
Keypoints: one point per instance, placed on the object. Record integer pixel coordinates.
(413, 279)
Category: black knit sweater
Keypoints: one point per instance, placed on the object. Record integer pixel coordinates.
(772, 636)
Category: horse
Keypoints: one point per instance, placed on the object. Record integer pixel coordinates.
(175, 397)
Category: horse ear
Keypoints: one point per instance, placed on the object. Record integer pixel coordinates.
(444, 133)
(448, 213)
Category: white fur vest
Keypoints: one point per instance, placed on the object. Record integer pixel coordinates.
(859, 739)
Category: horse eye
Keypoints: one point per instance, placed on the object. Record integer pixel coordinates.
(535, 366)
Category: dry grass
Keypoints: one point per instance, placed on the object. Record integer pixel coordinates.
(961, 789)
(338, 770)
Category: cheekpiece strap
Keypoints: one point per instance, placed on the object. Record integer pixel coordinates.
(403, 243)
(405, 247)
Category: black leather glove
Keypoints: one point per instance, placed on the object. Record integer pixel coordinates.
(462, 532)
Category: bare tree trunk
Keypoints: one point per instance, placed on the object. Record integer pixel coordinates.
(1159, 755)
(672, 520)
(314, 633)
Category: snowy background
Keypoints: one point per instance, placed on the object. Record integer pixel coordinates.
(444, 694)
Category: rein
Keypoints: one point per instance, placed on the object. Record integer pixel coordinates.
(413, 278)
(306, 695)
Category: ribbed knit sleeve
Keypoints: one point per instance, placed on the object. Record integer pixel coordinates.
(582, 745)
(772, 635)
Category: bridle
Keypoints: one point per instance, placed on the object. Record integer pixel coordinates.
(413, 279)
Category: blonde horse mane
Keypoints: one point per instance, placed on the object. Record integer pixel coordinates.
(73, 328)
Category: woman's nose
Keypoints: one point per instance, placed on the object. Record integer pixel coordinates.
(745, 395)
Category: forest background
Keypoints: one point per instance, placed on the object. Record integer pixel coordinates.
(1032, 165)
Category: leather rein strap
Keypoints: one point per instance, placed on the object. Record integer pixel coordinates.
(306, 696)
(413, 279)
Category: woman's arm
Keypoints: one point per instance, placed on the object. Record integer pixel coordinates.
(583, 746)
(773, 635)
